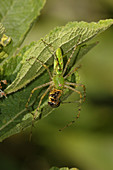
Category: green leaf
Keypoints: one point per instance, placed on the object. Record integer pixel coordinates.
(18, 17)
(64, 37)
(26, 73)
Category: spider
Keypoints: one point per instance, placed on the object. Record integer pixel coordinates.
(58, 83)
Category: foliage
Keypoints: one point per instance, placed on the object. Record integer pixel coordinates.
(22, 70)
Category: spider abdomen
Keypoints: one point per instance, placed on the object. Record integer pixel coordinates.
(54, 97)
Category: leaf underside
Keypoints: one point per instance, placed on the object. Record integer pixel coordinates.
(26, 73)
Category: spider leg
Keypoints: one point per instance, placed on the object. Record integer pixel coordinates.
(36, 88)
(74, 70)
(44, 65)
(78, 85)
(53, 53)
(47, 90)
(79, 109)
(49, 46)
(35, 115)
(69, 59)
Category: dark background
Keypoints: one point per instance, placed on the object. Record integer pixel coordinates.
(88, 144)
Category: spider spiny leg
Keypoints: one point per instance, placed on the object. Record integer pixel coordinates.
(79, 108)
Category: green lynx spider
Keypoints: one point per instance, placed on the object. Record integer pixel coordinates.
(58, 83)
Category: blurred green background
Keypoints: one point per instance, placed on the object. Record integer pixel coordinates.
(87, 144)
